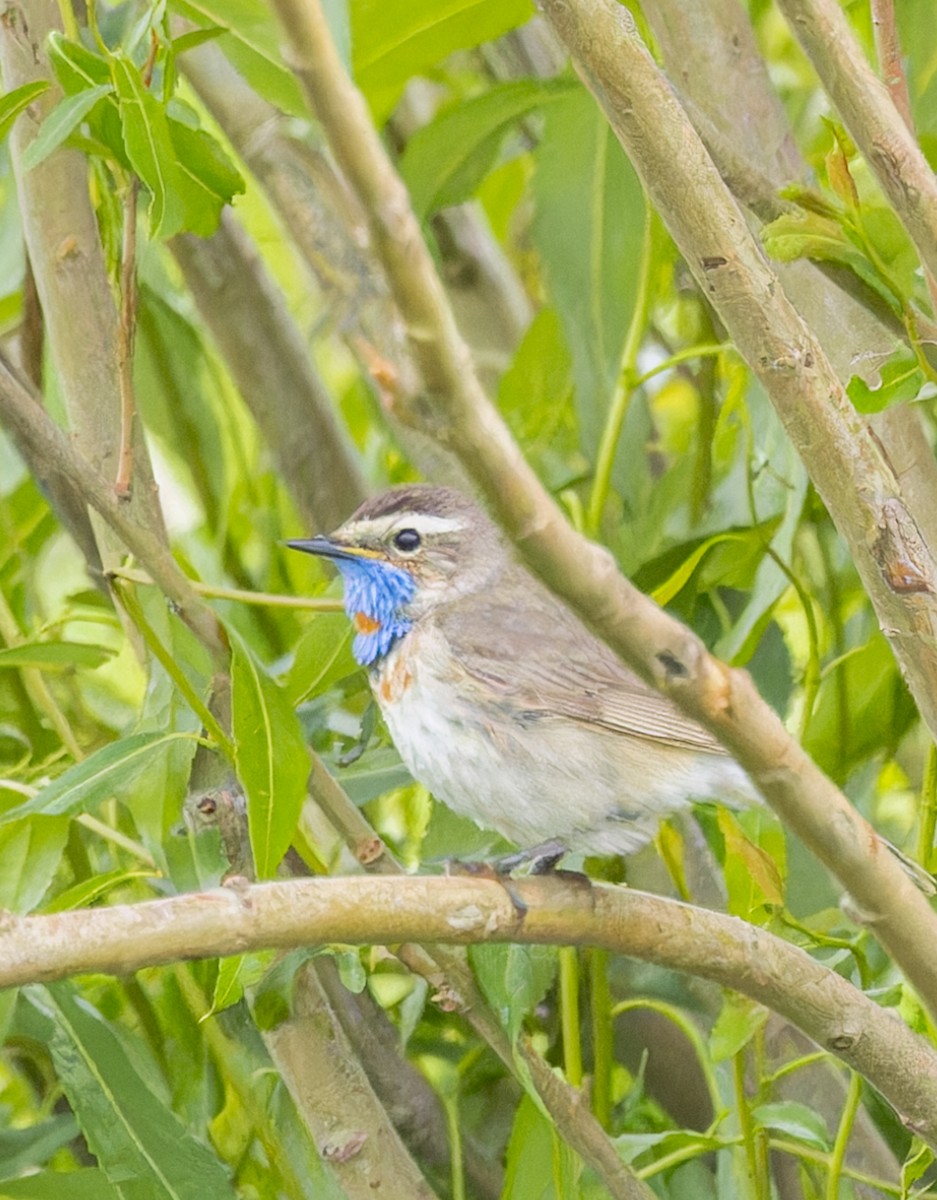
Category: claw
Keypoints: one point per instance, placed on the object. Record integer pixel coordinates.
(541, 859)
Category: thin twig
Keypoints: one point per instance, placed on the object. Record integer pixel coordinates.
(891, 66)
(39, 432)
(214, 591)
(888, 48)
(126, 331)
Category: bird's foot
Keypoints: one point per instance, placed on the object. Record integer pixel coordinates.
(540, 859)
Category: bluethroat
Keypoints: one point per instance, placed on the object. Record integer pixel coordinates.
(498, 698)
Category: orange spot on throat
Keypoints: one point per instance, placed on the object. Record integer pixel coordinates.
(365, 624)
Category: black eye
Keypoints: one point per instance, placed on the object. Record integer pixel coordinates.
(407, 540)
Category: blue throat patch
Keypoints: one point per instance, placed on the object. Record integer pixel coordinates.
(375, 593)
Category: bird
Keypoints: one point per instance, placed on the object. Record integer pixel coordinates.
(497, 696)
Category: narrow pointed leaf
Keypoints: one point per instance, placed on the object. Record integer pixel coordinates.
(250, 38)
(392, 42)
(76, 67)
(84, 786)
(271, 756)
(588, 229)
(61, 122)
(87, 1184)
(13, 103)
(55, 655)
(140, 1144)
(446, 160)
(149, 147)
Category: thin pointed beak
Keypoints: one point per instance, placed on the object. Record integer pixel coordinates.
(325, 547)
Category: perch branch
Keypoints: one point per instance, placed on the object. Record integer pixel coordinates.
(461, 910)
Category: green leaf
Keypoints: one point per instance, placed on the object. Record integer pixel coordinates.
(676, 582)
(514, 978)
(322, 657)
(373, 774)
(900, 379)
(538, 1165)
(795, 1120)
(271, 757)
(61, 122)
(736, 1025)
(149, 147)
(351, 971)
(251, 40)
(87, 1184)
(76, 67)
(213, 179)
(885, 232)
(754, 878)
(13, 103)
(917, 1161)
(25, 1149)
(808, 235)
(30, 853)
(393, 42)
(446, 160)
(55, 656)
(116, 1094)
(780, 486)
(235, 974)
(106, 772)
(588, 226)
(89, 891)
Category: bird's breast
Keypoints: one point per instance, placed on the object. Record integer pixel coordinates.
(392, 677)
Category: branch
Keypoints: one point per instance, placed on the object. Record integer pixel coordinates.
(349, 1124)
(448, 974)
(462, 910)
(804, 388)
(322, 218)
(34, 428)
(702, 44)
(64, 248)
(868, 112)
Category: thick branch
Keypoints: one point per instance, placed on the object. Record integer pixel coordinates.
(464, 910)
(806, 390)
(65, 252)
(447, 973)
(349, 1124)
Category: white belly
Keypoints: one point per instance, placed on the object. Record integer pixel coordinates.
(536, 779)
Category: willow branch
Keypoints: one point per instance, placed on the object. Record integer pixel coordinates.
(804, 388)
(888, 48)
(703, 44)
(34, 428)
(348, 1123)
(868, 112)
(447, 972)
(64, 247)
(461, 910)
(322, 218)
